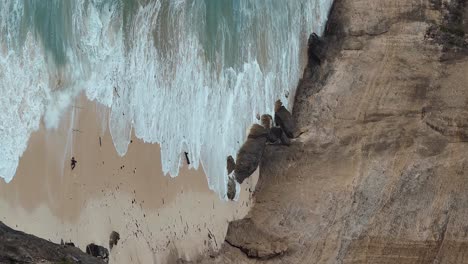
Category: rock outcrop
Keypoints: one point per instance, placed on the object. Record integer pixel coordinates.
(113, 239)
(381, 174)
(255, 243)
(98, 251)
(18, 247)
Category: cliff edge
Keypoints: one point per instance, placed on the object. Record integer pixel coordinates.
(380, 175)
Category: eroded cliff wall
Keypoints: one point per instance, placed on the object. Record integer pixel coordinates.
(380, 174)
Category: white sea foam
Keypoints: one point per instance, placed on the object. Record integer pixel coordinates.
(23, 89)
(176, 73)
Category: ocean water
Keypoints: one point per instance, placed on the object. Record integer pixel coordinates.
(190, 75)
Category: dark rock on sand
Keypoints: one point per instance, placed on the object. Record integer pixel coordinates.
(19, 247)
(98, 251)
(113, 239)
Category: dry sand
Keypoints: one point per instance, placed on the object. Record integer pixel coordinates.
(159, 218)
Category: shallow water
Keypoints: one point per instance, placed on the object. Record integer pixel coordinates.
(190, 75)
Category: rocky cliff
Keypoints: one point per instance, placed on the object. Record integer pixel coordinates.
(18, 247)
(380, 176)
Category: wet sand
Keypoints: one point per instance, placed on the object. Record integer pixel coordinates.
(159, 218)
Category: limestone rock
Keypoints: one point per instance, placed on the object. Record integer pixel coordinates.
(381, 175)
(246, 236)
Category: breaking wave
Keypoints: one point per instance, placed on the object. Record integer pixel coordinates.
(190, 75)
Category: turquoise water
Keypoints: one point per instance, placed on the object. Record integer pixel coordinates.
(190, 75)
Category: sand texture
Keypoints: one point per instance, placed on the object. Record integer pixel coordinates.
(159, 219)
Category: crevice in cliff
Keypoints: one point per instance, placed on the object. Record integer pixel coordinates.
(440, 241)
(255, 243)
(448, 122)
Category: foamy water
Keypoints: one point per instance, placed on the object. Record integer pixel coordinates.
(190, 75)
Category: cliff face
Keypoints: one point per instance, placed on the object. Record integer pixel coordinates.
(380, 176)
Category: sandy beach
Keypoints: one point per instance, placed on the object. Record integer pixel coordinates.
(159, 218)
(378, 174)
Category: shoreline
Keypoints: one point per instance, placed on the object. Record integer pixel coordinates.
(158, 217)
